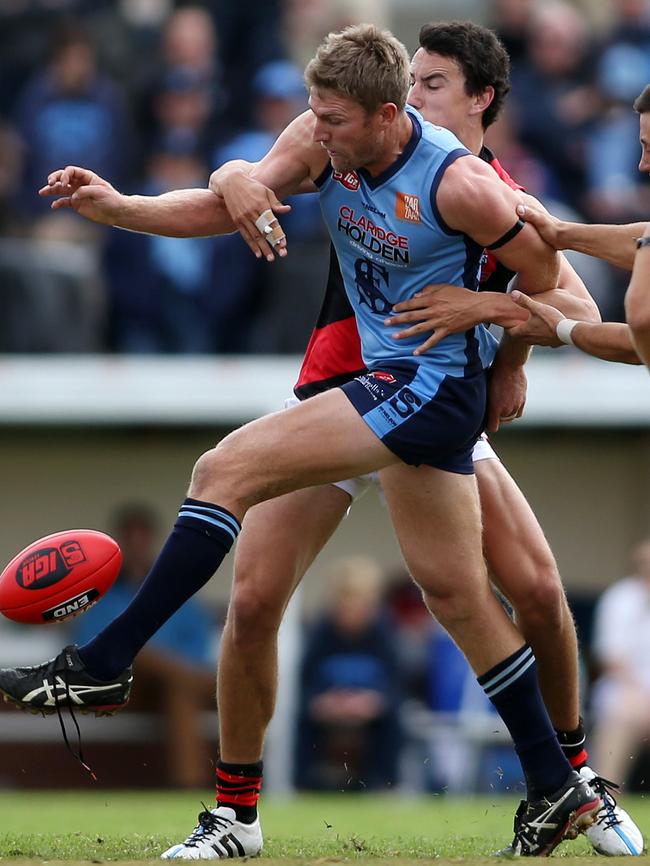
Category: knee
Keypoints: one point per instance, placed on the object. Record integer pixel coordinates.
(217, 475)
(541, 602)
(203, 474)
(254, 614)
(448, 602)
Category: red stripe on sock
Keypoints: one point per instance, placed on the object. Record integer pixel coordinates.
(229, 777)
(580, 759)
(240, 790)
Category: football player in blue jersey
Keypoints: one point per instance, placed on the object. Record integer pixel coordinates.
(415, 420)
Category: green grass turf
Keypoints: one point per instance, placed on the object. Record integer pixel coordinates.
(128, 826)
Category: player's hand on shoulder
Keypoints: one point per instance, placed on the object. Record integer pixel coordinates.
(548, 226)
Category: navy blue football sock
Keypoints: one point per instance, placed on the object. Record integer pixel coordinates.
(202, 536)
(513, 688)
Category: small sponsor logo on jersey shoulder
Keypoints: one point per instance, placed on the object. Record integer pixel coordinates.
(349, 179)
(407, 207)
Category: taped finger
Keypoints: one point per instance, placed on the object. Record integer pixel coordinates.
(267, 223)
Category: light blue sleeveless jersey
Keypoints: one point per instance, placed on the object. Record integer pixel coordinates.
(391, 242)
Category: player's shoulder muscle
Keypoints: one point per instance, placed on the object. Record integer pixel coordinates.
(470, 189)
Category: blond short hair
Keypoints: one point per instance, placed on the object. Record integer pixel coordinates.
(368, 65)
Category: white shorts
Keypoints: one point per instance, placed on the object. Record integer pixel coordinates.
(356, 487)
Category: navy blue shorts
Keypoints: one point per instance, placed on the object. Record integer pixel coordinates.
(423, 416)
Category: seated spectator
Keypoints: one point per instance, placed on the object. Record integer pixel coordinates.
(511, 20)
(279, 96)
(348, 730)
(183, 81)
(621, 648)
(281, 326)
(174, 674)
(183, 105)
(552, 90)
(51, 294)
(617, 193)
(412, 626)
(179, 295)
(69, 114)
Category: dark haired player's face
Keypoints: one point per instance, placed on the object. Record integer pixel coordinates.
(438, 91)
(644, 138)
(345, 130)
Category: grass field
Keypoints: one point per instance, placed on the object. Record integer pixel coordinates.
(115, 825)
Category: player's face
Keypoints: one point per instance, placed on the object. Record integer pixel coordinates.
(438, 91)
(344, 129)
(644, 138)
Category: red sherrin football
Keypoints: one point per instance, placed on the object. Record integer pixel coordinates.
(59, 576)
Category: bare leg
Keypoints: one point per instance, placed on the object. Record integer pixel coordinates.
(437, 519)
(316, 442)
(523, 567)
(279, 541)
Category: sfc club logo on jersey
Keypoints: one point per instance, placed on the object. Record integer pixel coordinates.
(349, 179)
(49, 565)
(407, 207)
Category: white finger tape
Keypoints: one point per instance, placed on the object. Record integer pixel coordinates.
(268, 225)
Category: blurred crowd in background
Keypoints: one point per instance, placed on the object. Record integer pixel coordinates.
(154, 94)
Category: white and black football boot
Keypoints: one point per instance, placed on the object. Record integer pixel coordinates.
(63, 682)
(540, 825)
(613, 833)
(219, 836)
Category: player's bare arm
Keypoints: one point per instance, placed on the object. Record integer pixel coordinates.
(571, 296)
(637, 299)
(508, 385)
(610, 341)
(180, 213)
(291, 165)
(440, 310)
(612, 243)
(469, 190)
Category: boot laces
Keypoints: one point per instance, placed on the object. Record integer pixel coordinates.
(78, 755)
(607, 813)
(208, 823)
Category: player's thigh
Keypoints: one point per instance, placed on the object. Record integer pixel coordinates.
(281, 538)
(321, 440)
(437, 519)
(517, 552)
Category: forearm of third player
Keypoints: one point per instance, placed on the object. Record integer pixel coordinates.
(615, 244)
(610, 341)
